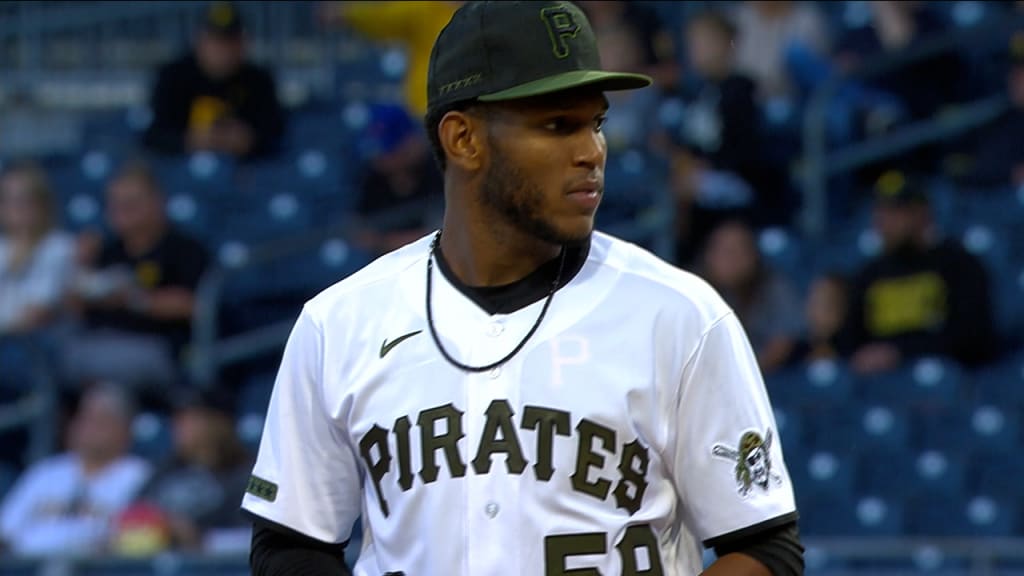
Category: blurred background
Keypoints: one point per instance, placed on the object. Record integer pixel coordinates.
(177, 178)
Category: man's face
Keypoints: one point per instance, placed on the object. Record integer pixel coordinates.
(899, 226)
(99, 429)
(220, 56)
(132, 206)
(545, 170)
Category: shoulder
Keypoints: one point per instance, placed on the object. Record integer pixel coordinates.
(131, 470)
(372, 284)
(181, 66)
(179, 240)
(60, 465)
(647, 279)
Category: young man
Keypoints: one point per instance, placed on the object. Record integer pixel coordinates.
(516, 393)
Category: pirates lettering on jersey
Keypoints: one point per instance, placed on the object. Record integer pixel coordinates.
(500, 436)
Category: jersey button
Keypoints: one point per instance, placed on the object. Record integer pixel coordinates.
(491, 509)
(495, 372)
(495, 329)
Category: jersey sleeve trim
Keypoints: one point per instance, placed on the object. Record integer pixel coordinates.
(307, 540)
(744, 533)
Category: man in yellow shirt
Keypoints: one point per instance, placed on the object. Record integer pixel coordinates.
(414, 24)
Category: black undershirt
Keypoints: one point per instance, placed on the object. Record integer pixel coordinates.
(535, 286)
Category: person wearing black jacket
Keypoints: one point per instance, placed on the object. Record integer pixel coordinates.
(923, 296)
(213, 99)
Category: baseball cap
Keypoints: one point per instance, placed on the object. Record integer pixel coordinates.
(213, 399)
(896, 188)
(388, 127)
(223, 19)
(494, 51)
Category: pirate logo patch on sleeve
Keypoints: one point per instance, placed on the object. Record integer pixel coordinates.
(753, 462)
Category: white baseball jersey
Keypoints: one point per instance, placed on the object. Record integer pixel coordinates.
(632, 427)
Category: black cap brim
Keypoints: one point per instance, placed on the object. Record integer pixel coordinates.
(605, 81)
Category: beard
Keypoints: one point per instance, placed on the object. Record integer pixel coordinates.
(520, 202)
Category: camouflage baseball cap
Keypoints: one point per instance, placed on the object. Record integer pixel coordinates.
(494, 51)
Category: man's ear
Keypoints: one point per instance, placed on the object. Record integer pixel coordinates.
(462, 138)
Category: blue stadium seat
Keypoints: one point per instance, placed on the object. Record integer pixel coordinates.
(927, 381)
(822, 381)
(790, 424)
(203, 174)
(972, 426)
(153, 437)
(897, 473)
(823, 473)
(1001, 383)
(997, 473)
(882, 427)
(864, 515)
(958, 515)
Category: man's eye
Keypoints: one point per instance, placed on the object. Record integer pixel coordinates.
(557, 125)
(599, 123)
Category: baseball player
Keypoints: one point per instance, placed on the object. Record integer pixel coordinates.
(518, 394)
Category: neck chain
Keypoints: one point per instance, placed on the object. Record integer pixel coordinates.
(430, 317)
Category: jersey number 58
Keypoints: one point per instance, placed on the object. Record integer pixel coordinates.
(638, 539)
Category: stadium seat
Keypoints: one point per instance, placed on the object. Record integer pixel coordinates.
(203, 174)
(1001, 383)
(926, 381)
(864, 515)
(997, 473)
(821, 381)
(899, 473)
(822, 473)
(957, 515)
(153, 437)
(968, 427)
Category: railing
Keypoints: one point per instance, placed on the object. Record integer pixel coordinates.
(36, 410)
(928, 555)
(819, 163)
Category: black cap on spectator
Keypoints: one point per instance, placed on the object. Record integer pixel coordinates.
(895, 188)
(223, 19)
(211, 399)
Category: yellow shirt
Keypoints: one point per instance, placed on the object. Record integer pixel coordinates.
(415, 24)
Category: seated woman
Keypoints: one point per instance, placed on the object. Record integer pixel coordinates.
(36, 258)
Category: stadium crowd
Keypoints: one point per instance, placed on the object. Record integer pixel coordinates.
(114, 306)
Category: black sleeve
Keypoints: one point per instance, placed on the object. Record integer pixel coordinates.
(970, 333)
(778, 547)
(853, 334)
(278, 551)
(166, 132)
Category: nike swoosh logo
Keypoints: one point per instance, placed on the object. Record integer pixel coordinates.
(386, 346)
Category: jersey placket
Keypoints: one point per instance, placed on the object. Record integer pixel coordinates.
(492, 494)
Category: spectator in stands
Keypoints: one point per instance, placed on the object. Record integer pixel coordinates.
(196, 493)
(213, 98)
(717, 172)
(997, 159)
(635, 117)
(414, 25)
(764, 301)
(36, 258)
(137, 290)
(923, 296)
(824, 315)
(768, 33)
(401, 187)
(64, 504)
(657, 50)
(923, 87)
